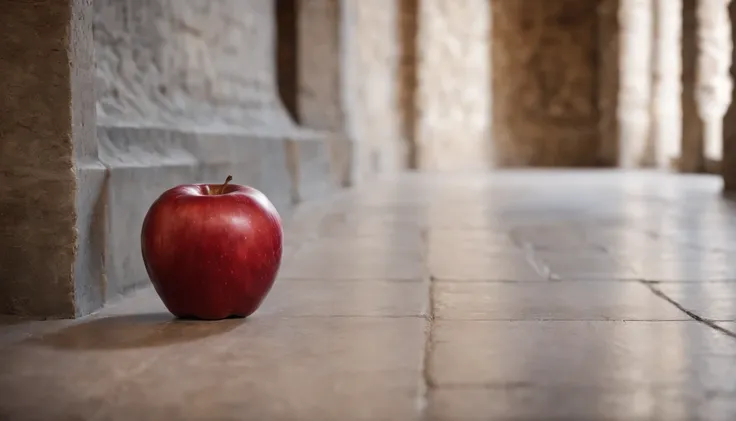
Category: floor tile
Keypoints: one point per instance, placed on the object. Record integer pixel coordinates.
(348, 265)
(550, 301)
(559, 354)
(14, 329)
(562, 237)
(367, 226)
(369, 298)
(477, 241)
(407, 244)
(532, 274)
(86, 362)
(479, 267)
(293, 369)
(526, 402)
(572, 266)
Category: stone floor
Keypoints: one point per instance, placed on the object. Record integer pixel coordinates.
(517, 296)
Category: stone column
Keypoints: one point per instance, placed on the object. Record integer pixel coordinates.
(609, 75)
(319, 65)
(320, 101)
(728, 164)
(409, 31)
(370, 63)
(691, 159)
(453, 132)
(714, 80)
(648, 158)
(635, 19)
(664, 142)
(51, 223)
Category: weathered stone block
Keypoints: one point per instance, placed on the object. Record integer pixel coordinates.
(50, 226)
(310, 164)
(187, 64)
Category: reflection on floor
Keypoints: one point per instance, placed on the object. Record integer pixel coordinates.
(515, 296)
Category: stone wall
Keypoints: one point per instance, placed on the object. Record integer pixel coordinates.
(320, 104)
(188, 92)
(187, 64)
(665, 133)
(36, 190)
(545, 109)
(453, 96)
(185, 91)
(371, 58)
(714, 83)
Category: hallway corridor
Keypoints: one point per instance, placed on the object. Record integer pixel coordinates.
(535, 295)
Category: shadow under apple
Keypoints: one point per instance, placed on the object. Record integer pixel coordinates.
(134, 331)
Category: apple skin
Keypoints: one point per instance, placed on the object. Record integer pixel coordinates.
(212, 251)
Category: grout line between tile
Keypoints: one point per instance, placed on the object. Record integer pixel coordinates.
(344, 316)
(574, 320)
(425, 380)
(584, 280)
(530, 281)
(376, 279)
(707, 322)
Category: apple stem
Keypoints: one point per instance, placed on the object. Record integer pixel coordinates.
(227, 180)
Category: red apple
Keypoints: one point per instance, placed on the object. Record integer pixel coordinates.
(212, 251)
